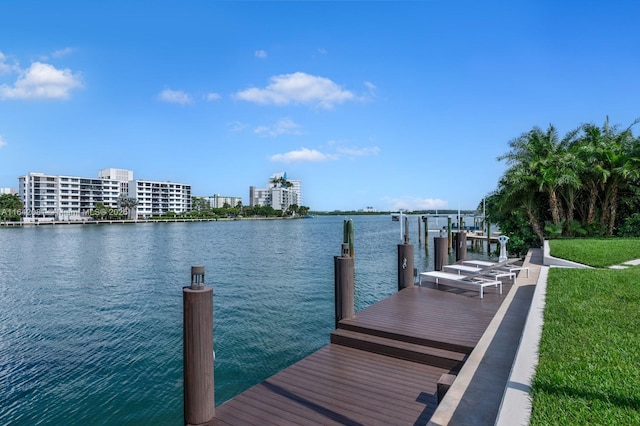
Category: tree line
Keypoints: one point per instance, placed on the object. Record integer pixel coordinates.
(586, 183)
(200, 208)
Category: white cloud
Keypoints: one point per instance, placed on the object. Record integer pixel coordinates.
(261, 54)
(282, 126)
(212, 96)
(299, 88)
(62, 52)
(237, 126)
(412, 204)
(302, 155)
(3, 143)
(42, 81)
(372, 87)
(6, 68)
(322, 51)
(175, 97)
(358, 152)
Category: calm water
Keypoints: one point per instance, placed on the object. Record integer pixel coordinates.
(91, 316)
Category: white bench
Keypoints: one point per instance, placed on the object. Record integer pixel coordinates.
(494, 273)
(484, 263)
(456, 280)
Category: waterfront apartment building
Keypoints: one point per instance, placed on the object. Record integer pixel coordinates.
(159, 198)
(49, 197)
(9, 191)
(218, 201)
(121, 175)
(276, 194)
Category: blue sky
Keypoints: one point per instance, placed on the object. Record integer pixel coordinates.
(382, 104)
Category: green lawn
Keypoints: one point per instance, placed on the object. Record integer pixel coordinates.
(600, 253)
(589, 363)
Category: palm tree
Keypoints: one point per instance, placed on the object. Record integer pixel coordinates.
(589, 151)
(127, 204)
(569, 183)
(518, 190)
(280, 181)
(623, 165)
(543, 159)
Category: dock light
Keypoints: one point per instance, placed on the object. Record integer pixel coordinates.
(197, 277)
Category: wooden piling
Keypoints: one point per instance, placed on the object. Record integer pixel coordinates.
(488, 238)
(461, 246)
(198, 356)
(440, 257)
(405, 266)
(344, 285)
(449, 243)
(420, 230)
(426, 232)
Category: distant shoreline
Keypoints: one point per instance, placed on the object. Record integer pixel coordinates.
(131, 221)
(9, 224)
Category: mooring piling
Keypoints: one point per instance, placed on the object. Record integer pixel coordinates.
(461, 245)
(425, 220)
(405, 260)
(449, 238)
(440, 257)
(344, 285)
(198, 355)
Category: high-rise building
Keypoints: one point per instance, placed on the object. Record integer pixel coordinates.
(280, 193)
(159, 198)
(218, 201)
(49, 197)
(121, 175)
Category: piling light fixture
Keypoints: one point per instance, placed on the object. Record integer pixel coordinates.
(197, 277)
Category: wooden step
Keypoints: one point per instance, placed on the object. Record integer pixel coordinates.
(380, 332)
(422, 354)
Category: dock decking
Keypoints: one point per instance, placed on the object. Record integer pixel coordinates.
(381, 367)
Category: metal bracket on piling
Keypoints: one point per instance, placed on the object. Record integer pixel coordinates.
(197, 277)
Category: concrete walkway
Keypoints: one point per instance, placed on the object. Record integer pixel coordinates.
(490, 375)
(493, 386)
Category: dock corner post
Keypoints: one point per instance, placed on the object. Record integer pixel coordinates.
(198, 355)
(419, 230)
(488, 239)
(344, 285)
(405, 266)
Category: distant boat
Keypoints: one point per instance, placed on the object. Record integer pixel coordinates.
(309, 216)
(395, 218)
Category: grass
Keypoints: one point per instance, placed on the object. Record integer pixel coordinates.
(600, 253)
(589, 358)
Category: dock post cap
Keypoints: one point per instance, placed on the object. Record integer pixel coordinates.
(197, 277)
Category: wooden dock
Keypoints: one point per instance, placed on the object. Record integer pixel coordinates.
(381, 367)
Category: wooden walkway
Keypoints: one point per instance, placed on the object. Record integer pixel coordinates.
(381, 367)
